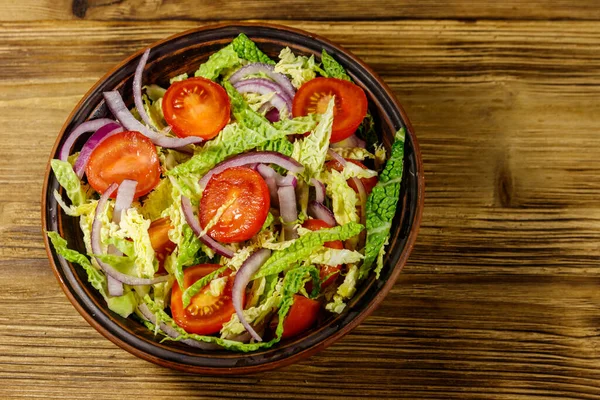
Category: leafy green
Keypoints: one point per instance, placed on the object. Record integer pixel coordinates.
(304, 246)
(134, 226)
(122, 305)
(344, 291)
(197, 286)
(354, 153)
(158, 200)
(298, 125)
(223, 59)
(233, 139)
(247, 49)
(178, 78)
(63, 171)
(332, 68)
(311, 150)
(381, 204)
(328, 256)
(154, 92)
(343, 198)
(300, 69)
(154, 111)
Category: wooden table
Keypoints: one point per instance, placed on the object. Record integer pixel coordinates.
(500, 298)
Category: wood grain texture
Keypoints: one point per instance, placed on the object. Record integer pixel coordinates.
(500, 297)
(208, 10)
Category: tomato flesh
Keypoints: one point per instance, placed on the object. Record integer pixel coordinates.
(330, 271)
(350, 104)
(302, 315)
(159, 238)
(241, 196)
(368, 183)
(196, 107)
(206, 314)
(125, 155)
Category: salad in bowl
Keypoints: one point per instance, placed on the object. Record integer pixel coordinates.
(235, 206)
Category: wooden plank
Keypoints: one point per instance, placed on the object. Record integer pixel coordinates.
(333, 10)
(500, 297)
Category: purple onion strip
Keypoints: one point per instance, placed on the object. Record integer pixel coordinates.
(319, 211)
(88, 126)
(98, 137)
(270, 157)
(289, 211)
(319, 190)
(269, 71)
(242, 277)
(137, 89)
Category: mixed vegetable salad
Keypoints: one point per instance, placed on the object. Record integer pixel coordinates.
(233, 208)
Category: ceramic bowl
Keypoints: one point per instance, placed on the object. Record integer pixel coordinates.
(183, 53)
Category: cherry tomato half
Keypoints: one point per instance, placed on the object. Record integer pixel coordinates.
(244, 195)
(302, 315)
(196, 107)
(331, 271)
(159, 238)
(368, 183)
(206, 314)
(125, 155)
(350, 104)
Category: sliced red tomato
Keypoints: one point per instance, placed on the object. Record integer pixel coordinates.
(196, 107)
(350, 104)
(331, 271)
(368, 183)
(159, 238)
(125, 155)
(302, 315)
(242, 198)
(206, 314)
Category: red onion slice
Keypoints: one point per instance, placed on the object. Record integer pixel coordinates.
(125, 196)
(319, 211)
(352, 141)
(272, 115)
(123, 201)
(88, 126)
(269, 71)
(319, 190)
(288, 180)
(137, 89)
(337, 157)
(115, 103)
(263, 86)
(98, 137)
(97, 247)
(242, 277)
(172, 332)
(115, 287)
(270, 177)
(270, 157)
(289, 211)
(192, 221)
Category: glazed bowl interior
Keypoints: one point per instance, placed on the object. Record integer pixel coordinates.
(183, 53)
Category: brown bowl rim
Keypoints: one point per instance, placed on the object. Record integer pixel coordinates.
(365, 312)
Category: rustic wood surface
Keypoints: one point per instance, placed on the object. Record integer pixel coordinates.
(500, 298)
